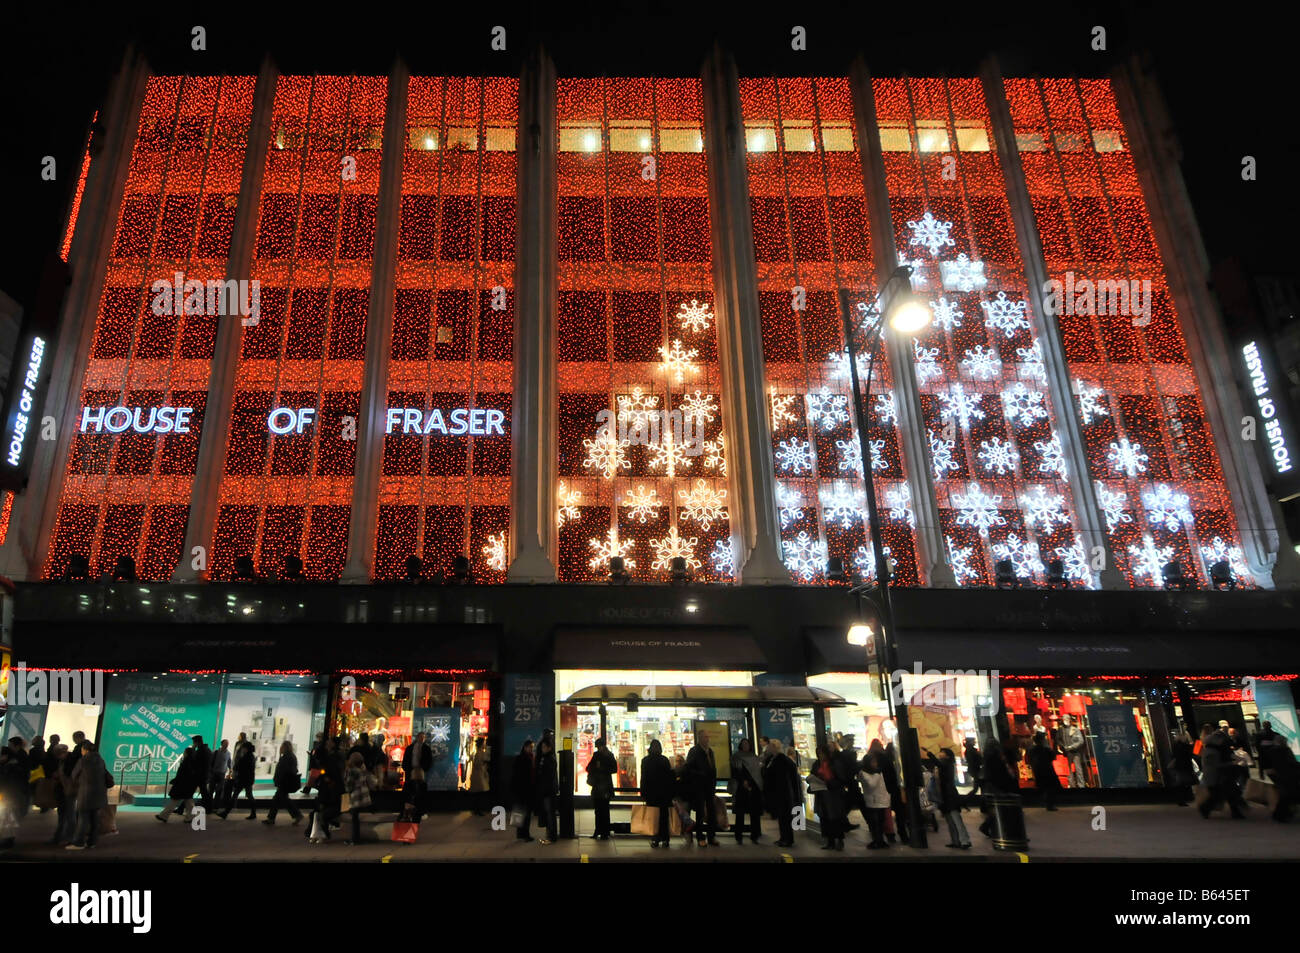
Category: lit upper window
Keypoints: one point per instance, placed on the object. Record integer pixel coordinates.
(972, 139)
(1107, 140)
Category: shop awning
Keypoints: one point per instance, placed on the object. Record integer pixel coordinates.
(710, 696)
(675, 648)
(829, 651)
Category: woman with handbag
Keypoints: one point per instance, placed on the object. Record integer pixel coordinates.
(828, 800)
(876, 796)
(357, 791)
(547, 787)
(747, 791)
(287, 780)
(522, 782)
(657, 782)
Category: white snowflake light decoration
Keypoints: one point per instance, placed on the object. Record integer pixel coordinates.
(998, 456)
(827, 409)
(495, 551)
(568, 506)
(978, 509)
(723, 558)
(795, 456)
(946, 314)
(1003, 314)
(851, 455)
(1112, 505)
(1023, 405)
(703, 504)
(1127, 457)
(637, 406)
(781, 413)
(839, 370)
(694, 317)
(611, 546)
(959, 560)
(678, 361)
(703, 407)
(607, 453)
(899, 500)
(1091, 402)
(927, 368)
(1053, 456)
(842, 505)
(1043, 510)
(1022, 554)
(791, 504)
(1031, 361)
(865, 561)
(918, 266)
(1148, 560)
(941, 455)
(1219, 551)
(715, 455)
(930, 233)
(671, 546)
(1075, 563)
(642, 503)
(1166, 507)
(956, 403)
(868, 316)
(981, 364)
(805, 557)
(887, 408)
(670, 454)
(962, 274)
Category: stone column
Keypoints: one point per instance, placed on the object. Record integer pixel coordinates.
(371, 423)
(756, 532)
(1156, 157)
(34, 512)
(931, 555)
(1089, 520)
(211, 464)
(533, 423)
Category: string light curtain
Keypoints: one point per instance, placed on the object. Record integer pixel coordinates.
(812, 237)
(127, 491)
(1000, 478)
(1149, 446)
(290, 494)
(642, 458)
(443, 495)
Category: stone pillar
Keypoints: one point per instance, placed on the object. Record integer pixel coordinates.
(533, 423)
(1089, 520)
(35, 511)
(371, 423)
(211, 464)
(931, 555)
(756, 532)
(1156, 157)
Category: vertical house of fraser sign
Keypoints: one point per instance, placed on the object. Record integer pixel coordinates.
(1275, 432)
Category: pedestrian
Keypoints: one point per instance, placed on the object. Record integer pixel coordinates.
(847, 765)
(949, 803)
(20, 771)
(702, 783)
(61, 792)
(828, 799)
(357, 784)
(219, 772)
(876, 797)
(974, 766)
(203, 771)
(997, 780)
(547, 787)
(287, 780)
(888, 760)
(69, 765)
(189, 774)
(1042, 761)
(315, 755)
(242, 771)
(747, 791)
(35, 761)
(1182, 769)
(600, 776)
(329, 792)
(657, 784)
(417, 760)
(1286, 780)
(782, 792)
(480, 780)
(523, 789)
(1218, 773)
(764, 749)
(90, 780)
(362, 747)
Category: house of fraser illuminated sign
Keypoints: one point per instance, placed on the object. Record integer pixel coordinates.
(453, 422)
(1278, 450)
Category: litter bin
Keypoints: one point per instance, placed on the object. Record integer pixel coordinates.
(1008, 822)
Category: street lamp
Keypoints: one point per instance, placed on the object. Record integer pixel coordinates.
(906, 315)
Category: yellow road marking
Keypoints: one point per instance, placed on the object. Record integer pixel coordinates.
(189, 858)
(386, 858)
(584, 860)
(1024, 858)
(787, 859)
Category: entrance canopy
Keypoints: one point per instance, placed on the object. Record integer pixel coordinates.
(710, 696)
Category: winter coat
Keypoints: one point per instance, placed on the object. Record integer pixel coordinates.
(747, 767)
(658, 783)
(600, 773)
(949, 799)
(974, 763)
(187, 777)
(425, 762)
(781, 787)
(1216, 760)
(1042, 763)
(829, 803)
(90, 782)
(287, 777)
(701, 771)
(245, 767)
(480, 764)
(358, 783)
(874, 791)
(521, 780)
(547, 782)
(997, 778)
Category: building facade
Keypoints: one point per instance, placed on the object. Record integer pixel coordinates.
(332, 341)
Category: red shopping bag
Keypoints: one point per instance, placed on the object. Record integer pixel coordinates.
(405, 832)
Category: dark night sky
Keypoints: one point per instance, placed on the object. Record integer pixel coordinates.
(1229, 82)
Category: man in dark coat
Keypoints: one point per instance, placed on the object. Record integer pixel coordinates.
(243, 770)
(781, 791)
(547, 786)
(702, 780)
(657, 786)
(90, 784)
(417, 761)
(522, 783)
(997, 780)
(889, 771)
(846, 769)
(1042, 761)
(188, 778)
(600, 775)
(203, 771)
(1218, 773)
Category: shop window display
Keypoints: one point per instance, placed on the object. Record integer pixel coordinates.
(451, 714)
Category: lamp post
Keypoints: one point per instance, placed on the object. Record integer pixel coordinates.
(908, 316)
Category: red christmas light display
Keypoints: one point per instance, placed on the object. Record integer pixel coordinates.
(452, 344)
(128, 493)
(1149, 446)
(76, 198)
(812, 237)
(6, 510)
(641, 450)
(995, 454)
(290, 494)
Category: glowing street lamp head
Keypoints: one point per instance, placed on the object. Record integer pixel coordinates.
(908, 314)
(860, 634)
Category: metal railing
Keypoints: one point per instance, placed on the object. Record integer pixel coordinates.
(148, 771)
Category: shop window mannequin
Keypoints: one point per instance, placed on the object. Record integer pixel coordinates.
(1071, 742)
